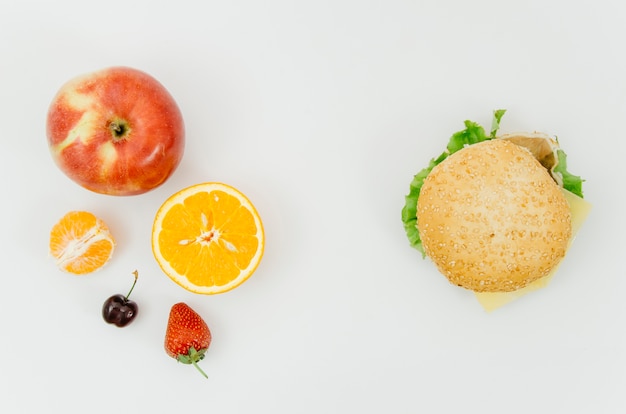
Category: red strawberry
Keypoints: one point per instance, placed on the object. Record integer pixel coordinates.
(187, 336)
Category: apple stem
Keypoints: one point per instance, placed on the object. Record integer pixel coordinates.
(136, 273)
(119, 129)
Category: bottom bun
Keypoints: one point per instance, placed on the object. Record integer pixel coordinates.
(492, 219)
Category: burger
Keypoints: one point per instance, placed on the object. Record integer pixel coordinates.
(495, 214)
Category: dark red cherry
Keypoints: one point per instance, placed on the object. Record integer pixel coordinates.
(118, 310)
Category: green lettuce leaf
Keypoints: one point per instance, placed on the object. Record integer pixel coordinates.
(472, 134)
(571, 182)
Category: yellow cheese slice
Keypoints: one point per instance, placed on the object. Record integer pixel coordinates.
(493, 300)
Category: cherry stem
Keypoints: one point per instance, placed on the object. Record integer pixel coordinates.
(136, 273)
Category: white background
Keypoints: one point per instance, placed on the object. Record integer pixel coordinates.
(321, 112)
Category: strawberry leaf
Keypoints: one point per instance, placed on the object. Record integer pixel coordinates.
(193, 357)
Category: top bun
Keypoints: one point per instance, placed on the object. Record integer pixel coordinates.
(492, 219)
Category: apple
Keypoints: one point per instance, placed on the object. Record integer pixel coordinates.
(116, 131)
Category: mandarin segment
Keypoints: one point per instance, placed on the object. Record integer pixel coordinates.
(81, 243)
(208, 238)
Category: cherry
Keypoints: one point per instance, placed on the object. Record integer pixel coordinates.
(118, 310)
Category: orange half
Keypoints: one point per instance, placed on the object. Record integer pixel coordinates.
(80, 243)
(208, 238)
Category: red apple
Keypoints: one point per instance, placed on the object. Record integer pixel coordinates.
(116, 131)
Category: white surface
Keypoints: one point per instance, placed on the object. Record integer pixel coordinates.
(321, 112)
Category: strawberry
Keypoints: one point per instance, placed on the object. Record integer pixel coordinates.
(187, 337)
